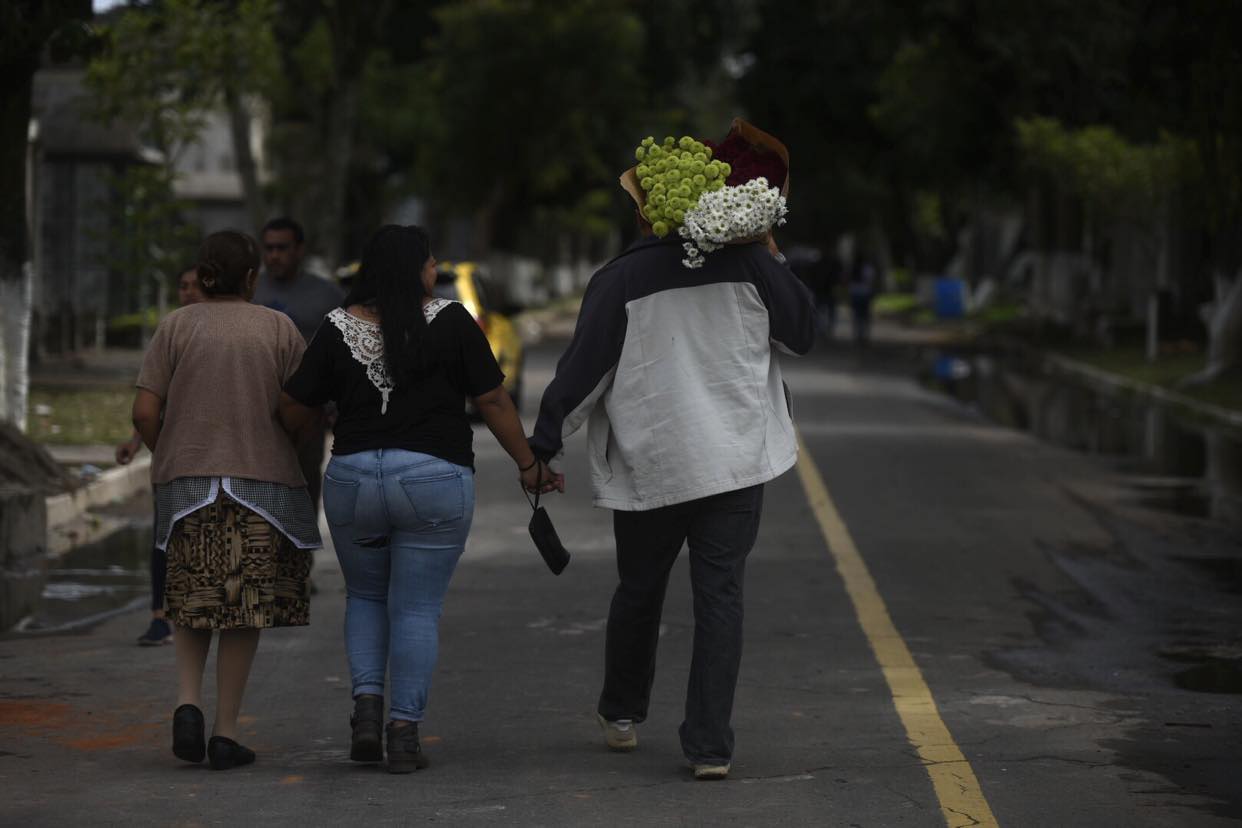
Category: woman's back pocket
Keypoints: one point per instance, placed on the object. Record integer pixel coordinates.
(436, 498)
(340, 499)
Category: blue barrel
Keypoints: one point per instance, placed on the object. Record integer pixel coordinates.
(950, 298)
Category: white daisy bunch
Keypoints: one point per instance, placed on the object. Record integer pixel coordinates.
(730, 214)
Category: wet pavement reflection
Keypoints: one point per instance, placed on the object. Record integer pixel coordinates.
(1169, 462)
(94, 581)
(1173, 463)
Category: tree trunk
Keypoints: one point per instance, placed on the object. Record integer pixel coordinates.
(337, 152)
(27, 26)
(1224, 326)
(239, 127)
(484, 223)
(15, 276)
(15, 302)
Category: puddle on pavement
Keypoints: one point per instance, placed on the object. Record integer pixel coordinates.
(1227, 572)
(1172, 463)
(1213, 669)
(1212, 676)
(94, 581)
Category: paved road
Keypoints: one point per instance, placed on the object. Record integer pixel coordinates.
(1033, 600)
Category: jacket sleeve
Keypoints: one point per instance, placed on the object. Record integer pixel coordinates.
(791, 308)
(586, 369)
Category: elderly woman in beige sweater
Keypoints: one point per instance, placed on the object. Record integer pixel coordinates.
(232, 507)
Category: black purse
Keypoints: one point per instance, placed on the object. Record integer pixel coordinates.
(543, 533)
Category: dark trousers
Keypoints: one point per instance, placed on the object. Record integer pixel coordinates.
(720, 531)
(861, 307)
(159, 574)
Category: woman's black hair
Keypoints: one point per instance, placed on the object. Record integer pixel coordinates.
(225, 259)
(389, 279)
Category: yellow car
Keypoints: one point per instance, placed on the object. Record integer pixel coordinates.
(462, 282)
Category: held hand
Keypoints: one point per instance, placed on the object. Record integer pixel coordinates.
(539, 478)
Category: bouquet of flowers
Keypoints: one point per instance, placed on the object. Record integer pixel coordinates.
(711, 194)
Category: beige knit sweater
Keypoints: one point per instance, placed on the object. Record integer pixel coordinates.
(219, 367)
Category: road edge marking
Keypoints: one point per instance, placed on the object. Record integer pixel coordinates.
(953, 779)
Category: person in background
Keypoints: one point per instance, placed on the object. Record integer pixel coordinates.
(863, 283)
(399, 490)
(158, 631)
(821, 273)
(232, 509)
(306, 299)
(827, 283)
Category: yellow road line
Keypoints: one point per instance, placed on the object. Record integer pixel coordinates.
(961, 799)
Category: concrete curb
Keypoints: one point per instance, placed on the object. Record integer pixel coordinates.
(69, 522)
(112, 485)
(1113, 383)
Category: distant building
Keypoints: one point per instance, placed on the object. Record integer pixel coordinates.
(72, 160)
(208, 178)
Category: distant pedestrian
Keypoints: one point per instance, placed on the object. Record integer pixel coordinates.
(863, 283)
(158, 631)
(232, 509)
(305, 298)
(399, 490)
(827, 286)
(821, 273)
(674, 369)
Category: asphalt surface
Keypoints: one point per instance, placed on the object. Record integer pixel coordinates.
(1048, 613)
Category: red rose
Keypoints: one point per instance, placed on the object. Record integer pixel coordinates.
(747, 161)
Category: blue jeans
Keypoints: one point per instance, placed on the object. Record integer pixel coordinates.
(399, 522)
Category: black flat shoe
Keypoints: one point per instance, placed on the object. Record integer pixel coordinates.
(224, 753)
(366, 744)
(189, 743)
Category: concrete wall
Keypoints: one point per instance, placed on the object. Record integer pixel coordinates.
(23, 552)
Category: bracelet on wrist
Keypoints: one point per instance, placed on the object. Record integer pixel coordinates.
(533, 463)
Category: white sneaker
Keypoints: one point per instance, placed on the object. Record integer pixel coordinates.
(707, 772)
(620, 735)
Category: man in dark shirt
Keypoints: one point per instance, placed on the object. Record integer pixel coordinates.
(306, 299)
(284, 286)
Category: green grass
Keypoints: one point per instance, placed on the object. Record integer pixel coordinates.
(135, 321)
(893, 304)
(998, 313)
(1165, 371)
(80, 417)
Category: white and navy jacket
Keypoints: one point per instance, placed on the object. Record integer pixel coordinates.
(674, 373)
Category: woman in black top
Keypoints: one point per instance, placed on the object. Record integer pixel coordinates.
(398, 493)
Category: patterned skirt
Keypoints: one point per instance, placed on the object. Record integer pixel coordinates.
(230, 569)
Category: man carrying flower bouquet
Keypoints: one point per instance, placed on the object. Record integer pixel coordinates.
(672, 368)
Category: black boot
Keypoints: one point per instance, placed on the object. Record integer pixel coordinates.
(405, 753)
(366, 744)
